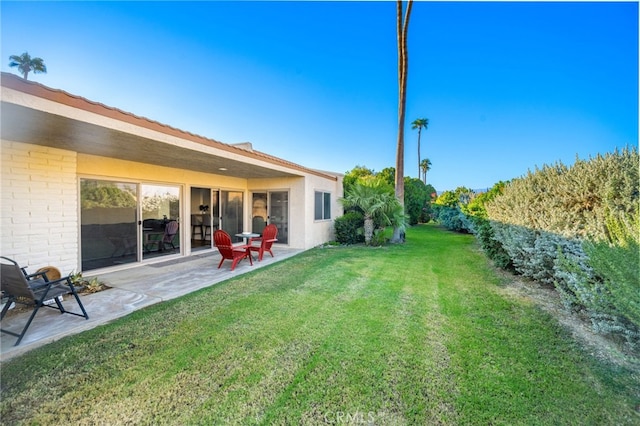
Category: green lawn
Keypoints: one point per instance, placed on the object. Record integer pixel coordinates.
(418, 333)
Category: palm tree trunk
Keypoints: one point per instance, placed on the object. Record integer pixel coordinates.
(368, 230)
(403, 60)
(419, 131)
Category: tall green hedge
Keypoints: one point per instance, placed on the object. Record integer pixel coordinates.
(571, 201)
(576, 228)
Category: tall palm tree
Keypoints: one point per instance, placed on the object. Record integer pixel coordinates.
(425, 166)
(26, 64)
(402, 27)
(419, 123)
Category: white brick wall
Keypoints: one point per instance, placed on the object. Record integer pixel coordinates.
(39, 206)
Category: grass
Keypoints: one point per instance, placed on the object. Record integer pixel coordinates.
(418, 333)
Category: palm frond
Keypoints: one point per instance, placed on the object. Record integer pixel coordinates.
(25, 64)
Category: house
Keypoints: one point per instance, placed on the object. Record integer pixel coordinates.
(88, 187)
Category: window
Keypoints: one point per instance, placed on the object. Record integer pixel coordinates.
(322, 205)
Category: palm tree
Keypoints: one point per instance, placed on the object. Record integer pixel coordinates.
(419, 124)
(378, 204)
(402, 27)
(26, 63)
(425, 166)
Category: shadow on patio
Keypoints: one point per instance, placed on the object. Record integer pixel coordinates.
(131, 289)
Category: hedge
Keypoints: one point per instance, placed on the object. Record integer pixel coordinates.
(576, 228)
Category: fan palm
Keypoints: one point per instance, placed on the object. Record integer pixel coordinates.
(26, 64)
(419, 124)
(378, 204)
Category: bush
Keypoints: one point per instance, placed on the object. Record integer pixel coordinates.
(477, 213)
(347, 228)
(602, 279)
(379, 237)
(577, 228)
(617, 263)
(452, 218)
(450, 209)
(491, 245)
(571, 201)
(416, 199)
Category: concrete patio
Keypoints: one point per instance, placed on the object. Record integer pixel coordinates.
(131, 289)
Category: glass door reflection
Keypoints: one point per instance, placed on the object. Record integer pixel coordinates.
(231, 212)
(204, 215)
(160, 207)
(108, 216)
(279, 214)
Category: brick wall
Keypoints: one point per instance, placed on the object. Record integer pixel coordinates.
(39, 206)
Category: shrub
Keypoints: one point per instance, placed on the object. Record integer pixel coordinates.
(86, 286)
(577, 229)
(617, 263)
(477, 213)
(416, 199)
(379, 237)
(571, 201)
(448, 199)
(347, 228)
(449, 210)
(602, 278)
(490, 245)
(376, 200)
(453, 219)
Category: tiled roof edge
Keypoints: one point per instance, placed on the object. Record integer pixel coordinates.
(62, 97)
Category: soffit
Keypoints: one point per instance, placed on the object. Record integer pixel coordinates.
(23, 124)
(34, 113)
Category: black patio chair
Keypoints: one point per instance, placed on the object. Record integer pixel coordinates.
(33, 290)
(170, 232)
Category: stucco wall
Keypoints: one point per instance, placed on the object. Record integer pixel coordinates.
(40, 213)
(39, 206)
(321, 231)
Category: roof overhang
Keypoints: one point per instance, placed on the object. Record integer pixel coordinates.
(35, 114)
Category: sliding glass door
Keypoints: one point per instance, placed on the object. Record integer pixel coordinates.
(108, 223)
(271, 207)
(125, 222)
(231, 213)
(160, 220)
(279, 214)
(259, 212)
(205, 216)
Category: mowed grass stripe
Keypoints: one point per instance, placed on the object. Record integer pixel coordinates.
(417, 333)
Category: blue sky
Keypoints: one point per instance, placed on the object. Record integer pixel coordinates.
(506, 86)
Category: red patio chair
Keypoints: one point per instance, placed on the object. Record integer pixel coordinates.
(267, 239)
(227, 250)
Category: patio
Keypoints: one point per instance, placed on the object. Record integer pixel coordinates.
(131, 289)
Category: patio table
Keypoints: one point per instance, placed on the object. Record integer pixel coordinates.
(246, 236)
